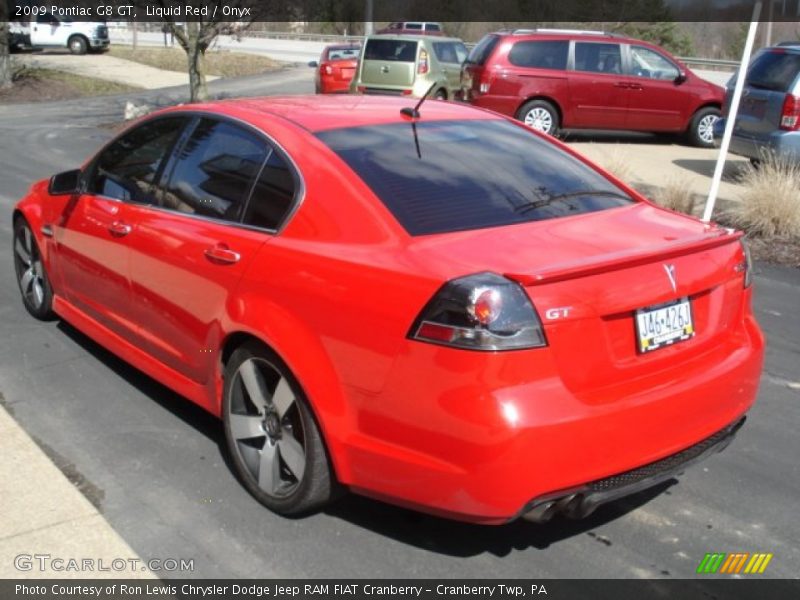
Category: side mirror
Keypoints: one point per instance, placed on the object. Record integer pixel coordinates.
(681, 77)
(313, 63)
(66, 183)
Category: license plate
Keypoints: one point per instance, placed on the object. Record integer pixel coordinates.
(663, 325)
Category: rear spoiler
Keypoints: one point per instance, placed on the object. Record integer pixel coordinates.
(626, 258)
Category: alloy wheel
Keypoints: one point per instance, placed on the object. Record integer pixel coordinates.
(30, 271)
(540, 119)
(267, 427)
(705, 128)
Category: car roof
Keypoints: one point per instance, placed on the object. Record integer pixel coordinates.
(555, 34)
(332, 111)
(412, 36)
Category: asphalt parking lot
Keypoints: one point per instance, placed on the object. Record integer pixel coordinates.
(160, 475)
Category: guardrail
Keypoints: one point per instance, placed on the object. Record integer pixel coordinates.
(726, 65)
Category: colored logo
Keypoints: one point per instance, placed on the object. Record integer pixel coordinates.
(738, 562)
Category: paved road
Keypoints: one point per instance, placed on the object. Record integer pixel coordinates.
(169, 491)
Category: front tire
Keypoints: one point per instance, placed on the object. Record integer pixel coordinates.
(77, 44)
(272, 436)
(540, 115)
(701, 127)
(34, 285)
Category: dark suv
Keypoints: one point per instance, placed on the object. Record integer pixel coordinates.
(553, 79)
(768, 121)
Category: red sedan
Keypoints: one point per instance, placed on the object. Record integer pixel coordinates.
(367, 305)
(336, 68)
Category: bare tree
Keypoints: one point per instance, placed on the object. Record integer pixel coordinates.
(5, 60)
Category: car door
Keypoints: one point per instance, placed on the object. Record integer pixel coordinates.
(191, 252)
(45, 31)
(92, 234)
(658, 100)
(598, 88)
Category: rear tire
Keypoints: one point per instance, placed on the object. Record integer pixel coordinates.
(440, 95)
(34, 285)
(540, 115)
(77, 44)
(701, 127)
(273, 438)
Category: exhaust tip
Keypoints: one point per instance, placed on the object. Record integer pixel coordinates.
(541, 513)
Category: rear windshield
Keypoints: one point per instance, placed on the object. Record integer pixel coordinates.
(394, 50)
(482, 51)
(343, 53)
(773, 71)
(444, 176)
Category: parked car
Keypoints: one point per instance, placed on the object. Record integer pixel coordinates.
(768, 122)
(365, 304)
(410, 65)
(335, 68)
(45, 30)
(413, 28)
(565, 79)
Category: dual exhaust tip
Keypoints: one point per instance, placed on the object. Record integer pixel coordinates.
(573, 506)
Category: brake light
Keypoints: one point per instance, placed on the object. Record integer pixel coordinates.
(328, 70)
(480, 312)
(790, 114)
(422, 65)
(487, 78)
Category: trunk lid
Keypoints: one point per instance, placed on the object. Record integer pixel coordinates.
(588, 275)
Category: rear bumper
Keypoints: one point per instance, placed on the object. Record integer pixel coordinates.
(488, 438)
(782, 144)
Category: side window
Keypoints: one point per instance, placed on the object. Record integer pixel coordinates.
(648, 63)
(540, 55)
(433, 27)
(272, 196)
(46, 19)
(446, 52)
(414, 26)
(598, 58)
(214, 171)
(127, 169)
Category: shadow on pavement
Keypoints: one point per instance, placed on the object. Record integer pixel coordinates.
(732, 172)
(618, 137)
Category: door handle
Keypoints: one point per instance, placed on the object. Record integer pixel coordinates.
(119, 229)
(222, 254)
(622, 84)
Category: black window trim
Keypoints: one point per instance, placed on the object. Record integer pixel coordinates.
(192, 118)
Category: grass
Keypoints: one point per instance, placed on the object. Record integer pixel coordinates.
(676, 195)
(770, 201)
(33, 84)
(618, 165)
(221, 63)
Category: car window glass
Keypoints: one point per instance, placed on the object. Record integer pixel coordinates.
(541, 55)
(272, 196)
(393, 50)
(483, 50)
(598, 58)
(47, 19)
(433, 27)
(214, 171)
(413, 25)
(342, 53)
(126, 170)
(430, 183)
(648, 63)
(447, 52)
(775, 71)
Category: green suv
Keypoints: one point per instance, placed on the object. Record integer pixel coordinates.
(408, 65)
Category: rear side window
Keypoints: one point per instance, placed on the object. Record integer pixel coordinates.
(774, 71)
(128, 168)
(540, 55)
(392, 50)
(215, 170)
(272, 196)
(414, 26)
(427, 176)
(598, 58)
(433, 27)
(483, 50)
(450, 52)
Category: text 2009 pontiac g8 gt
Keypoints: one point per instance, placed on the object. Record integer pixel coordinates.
(445, 310)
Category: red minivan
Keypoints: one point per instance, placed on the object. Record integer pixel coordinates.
(552, 79)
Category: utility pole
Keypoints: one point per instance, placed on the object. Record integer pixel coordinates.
(368, 24)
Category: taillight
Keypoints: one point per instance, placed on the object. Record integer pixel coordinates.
(480, 312)
(422, 65)
(328, 70)
(487, 78)
(747, 265)
(790, 114)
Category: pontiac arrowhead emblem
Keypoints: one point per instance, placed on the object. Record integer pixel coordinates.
(670, 269)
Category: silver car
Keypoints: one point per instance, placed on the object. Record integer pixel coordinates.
(768, 122)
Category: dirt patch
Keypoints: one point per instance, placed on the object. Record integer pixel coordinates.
(221, 63)
(46, 85)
